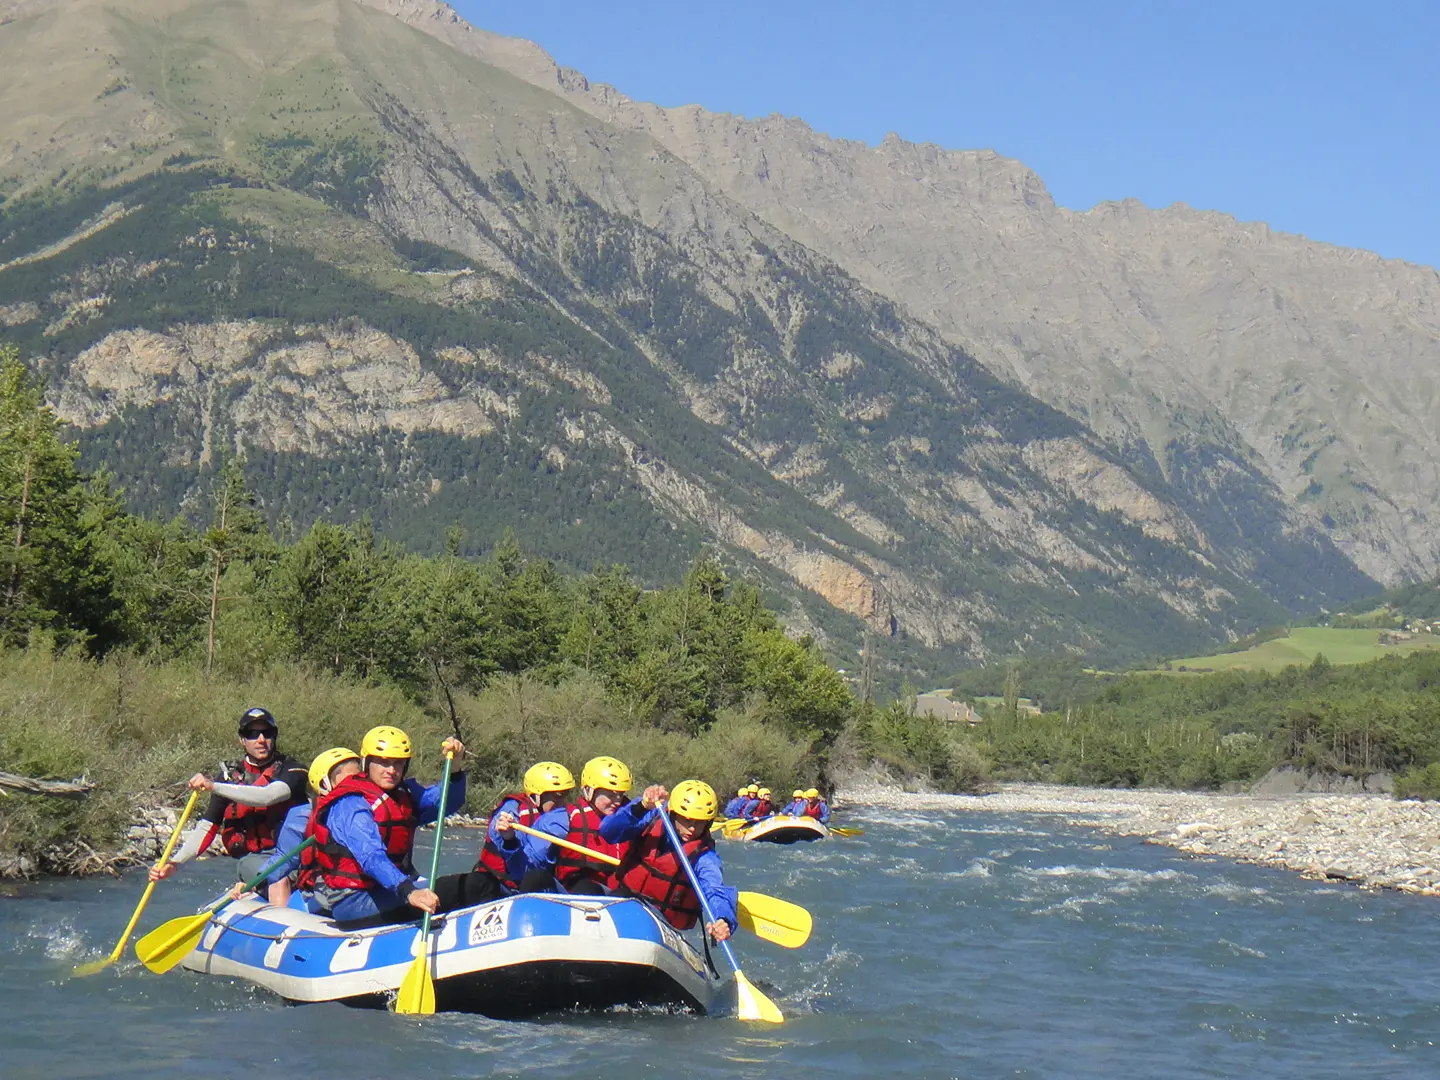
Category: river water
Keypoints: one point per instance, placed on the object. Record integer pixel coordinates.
(968, 946)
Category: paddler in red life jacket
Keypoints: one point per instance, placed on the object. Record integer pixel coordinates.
(360, 870)
(249, 803)
(815, 807)
(762, 807)
(604, 782)
(650, 869)
(518, 860)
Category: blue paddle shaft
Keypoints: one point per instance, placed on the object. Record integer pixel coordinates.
(435, 855)
(694, 879)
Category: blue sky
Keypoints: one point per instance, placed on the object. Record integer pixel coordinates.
(1319, 118)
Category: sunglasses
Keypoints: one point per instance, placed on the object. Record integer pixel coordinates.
(263, 733)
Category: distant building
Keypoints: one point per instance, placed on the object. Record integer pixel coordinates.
(952, 712)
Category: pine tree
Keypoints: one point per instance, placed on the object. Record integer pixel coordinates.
(52, 576)
(237, 531)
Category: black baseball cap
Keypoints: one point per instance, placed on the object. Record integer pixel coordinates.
(256, 717)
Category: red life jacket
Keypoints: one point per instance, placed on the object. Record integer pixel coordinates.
(585, 830)
(764, 808)
(812, 809)
(651, 870)
(245, 830)
(490, 857)
(331, 861)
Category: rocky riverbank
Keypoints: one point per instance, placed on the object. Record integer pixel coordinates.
(1370, 840)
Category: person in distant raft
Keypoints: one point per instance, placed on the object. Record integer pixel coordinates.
(522, 862)
(360, 870)
(762, 807)
(796, 803)
(248, 806)
(604, 783)
(752, 800)
(815, 807)
(650, 869)
(736, 807)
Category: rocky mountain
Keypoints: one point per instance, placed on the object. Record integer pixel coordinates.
(1175, 334)
(404, 281)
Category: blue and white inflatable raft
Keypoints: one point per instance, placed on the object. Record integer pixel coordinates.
(516, 957)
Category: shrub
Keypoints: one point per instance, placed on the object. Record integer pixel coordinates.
(1419, 783)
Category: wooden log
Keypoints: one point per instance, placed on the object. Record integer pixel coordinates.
(64, 788)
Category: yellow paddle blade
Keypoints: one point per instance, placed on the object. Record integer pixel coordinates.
(92, 967)
(841, 831)
(100, 965)
(751, 1004)
(776, 920)
(417, 989)
(169, 943)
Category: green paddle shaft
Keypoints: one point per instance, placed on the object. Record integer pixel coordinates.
(279, 860)
(416, 994)
(435, 855)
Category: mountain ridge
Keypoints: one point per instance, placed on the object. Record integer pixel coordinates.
(1314, 450)
(406, 283)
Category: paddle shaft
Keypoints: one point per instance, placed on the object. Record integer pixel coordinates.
(225, 901)
(681, 858)
(599, 856)
(150, 888)
(435, 855)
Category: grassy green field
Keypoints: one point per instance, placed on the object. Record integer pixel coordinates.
(1301, 646)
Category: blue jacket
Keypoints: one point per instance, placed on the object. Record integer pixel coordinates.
(632, 819)
(736, 806)
(352, 824)
(292, 835)
(793, 807)
(523, 852)
(751, 805)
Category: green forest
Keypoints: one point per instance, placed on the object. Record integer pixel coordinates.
(1206, 731)
(183, 623)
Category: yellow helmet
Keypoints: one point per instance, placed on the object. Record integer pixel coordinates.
(607, 773)
(547, 776)
(797, 794)
(386, 742)
(324, 762)
(743, 791)
(764, 791)
(752, 790)
(694, 799)
(812, 793)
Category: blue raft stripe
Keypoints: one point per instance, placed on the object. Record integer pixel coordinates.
(248, 937)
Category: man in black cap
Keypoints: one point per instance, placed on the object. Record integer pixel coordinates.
(249, 804)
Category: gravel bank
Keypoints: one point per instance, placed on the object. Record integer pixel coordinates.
(1370, 840)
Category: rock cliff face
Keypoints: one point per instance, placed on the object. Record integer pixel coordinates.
(1316, 363)
(406, 282)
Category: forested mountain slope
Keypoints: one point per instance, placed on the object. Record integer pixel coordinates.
(405, 283)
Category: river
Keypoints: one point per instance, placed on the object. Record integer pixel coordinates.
(966, 945)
